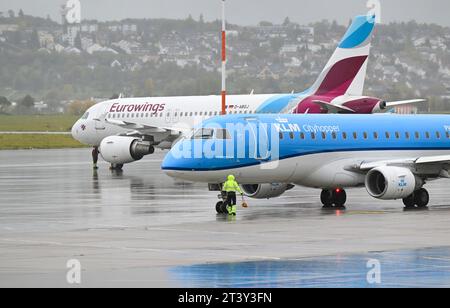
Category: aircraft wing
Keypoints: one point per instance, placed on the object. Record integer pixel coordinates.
(437, 166)
(405, 102)
(142, 129)
(331, 108)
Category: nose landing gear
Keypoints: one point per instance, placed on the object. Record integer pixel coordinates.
(333, 199)
(95, 153)
(221, 206)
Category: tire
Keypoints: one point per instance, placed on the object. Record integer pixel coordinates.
(224, 208)
(116, 167)
(340, 198)
(326, 197)
(219, 207)
(409, 201)
(422, 198)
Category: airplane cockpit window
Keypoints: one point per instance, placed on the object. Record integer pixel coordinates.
(210, 133)
(204, 133)
(85, 116)
(223, 134)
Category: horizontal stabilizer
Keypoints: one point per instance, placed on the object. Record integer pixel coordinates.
(331, 108)
(405, 102)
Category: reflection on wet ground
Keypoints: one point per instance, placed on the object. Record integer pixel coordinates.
(423, 268)
(131, 228)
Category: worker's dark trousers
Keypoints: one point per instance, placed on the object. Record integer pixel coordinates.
(231, 198)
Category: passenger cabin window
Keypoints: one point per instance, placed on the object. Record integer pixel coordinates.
(302, 136)
(375, 135)
(407, 135)
(355, 135)
(397, 135)
(388, 136)
(417, 135)
(448, 135)
(427, 135)
(291, 135)
(365, 135)
(344, 136)
(281, 136)
(334, 135)
(313, 136)
(438, 135)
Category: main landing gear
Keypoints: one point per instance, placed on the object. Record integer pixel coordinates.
(116, 167)
(333, 199)
(417, 201)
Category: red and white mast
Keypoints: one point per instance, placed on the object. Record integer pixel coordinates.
(224, 61)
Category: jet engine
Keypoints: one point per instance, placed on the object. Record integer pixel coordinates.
(265, 191)
(380, 106)
(123, 150)
(366, 105)
(391, 183)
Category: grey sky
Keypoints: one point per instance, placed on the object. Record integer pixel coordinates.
(245, 12)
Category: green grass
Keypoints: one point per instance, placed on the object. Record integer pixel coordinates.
(36, 123)
(16, 142)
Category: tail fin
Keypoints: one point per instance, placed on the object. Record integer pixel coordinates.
(345, 72)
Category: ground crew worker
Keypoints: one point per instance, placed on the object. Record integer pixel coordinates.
(231, 187)
(95, 157)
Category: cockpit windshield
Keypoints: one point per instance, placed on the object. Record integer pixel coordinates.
(204, 133)
(85, 116)
(210, 133)
(223, 134)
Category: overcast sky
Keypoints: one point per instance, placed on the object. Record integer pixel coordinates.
(244, 12)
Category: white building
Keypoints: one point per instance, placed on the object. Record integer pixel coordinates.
(9, 28)
(89, 27)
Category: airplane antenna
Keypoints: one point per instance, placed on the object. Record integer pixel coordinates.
(224, 61)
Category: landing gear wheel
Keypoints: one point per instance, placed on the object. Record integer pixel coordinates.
(422, 198)
(326, 197)
(333, 199)
(340, 197)
(219, 207)
(116, 167)
(409, 202)
(223, 208)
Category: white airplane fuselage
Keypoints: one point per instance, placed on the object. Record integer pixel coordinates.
(169, 114)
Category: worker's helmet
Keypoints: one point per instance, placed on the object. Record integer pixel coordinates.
(231, 178)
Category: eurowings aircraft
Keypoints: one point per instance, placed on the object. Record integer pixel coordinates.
(126, 129)
(392, 156)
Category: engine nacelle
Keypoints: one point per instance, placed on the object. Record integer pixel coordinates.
(124, 150)
(380, 107)
(391, 183)
(366, 105)
(265, 191)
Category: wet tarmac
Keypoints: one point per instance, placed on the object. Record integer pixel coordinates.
(142, 228)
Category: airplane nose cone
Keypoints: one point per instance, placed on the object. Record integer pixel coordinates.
(169, 164)
(174, 164)
(75, 132)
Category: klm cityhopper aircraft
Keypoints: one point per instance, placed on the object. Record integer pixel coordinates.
(392, 156)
